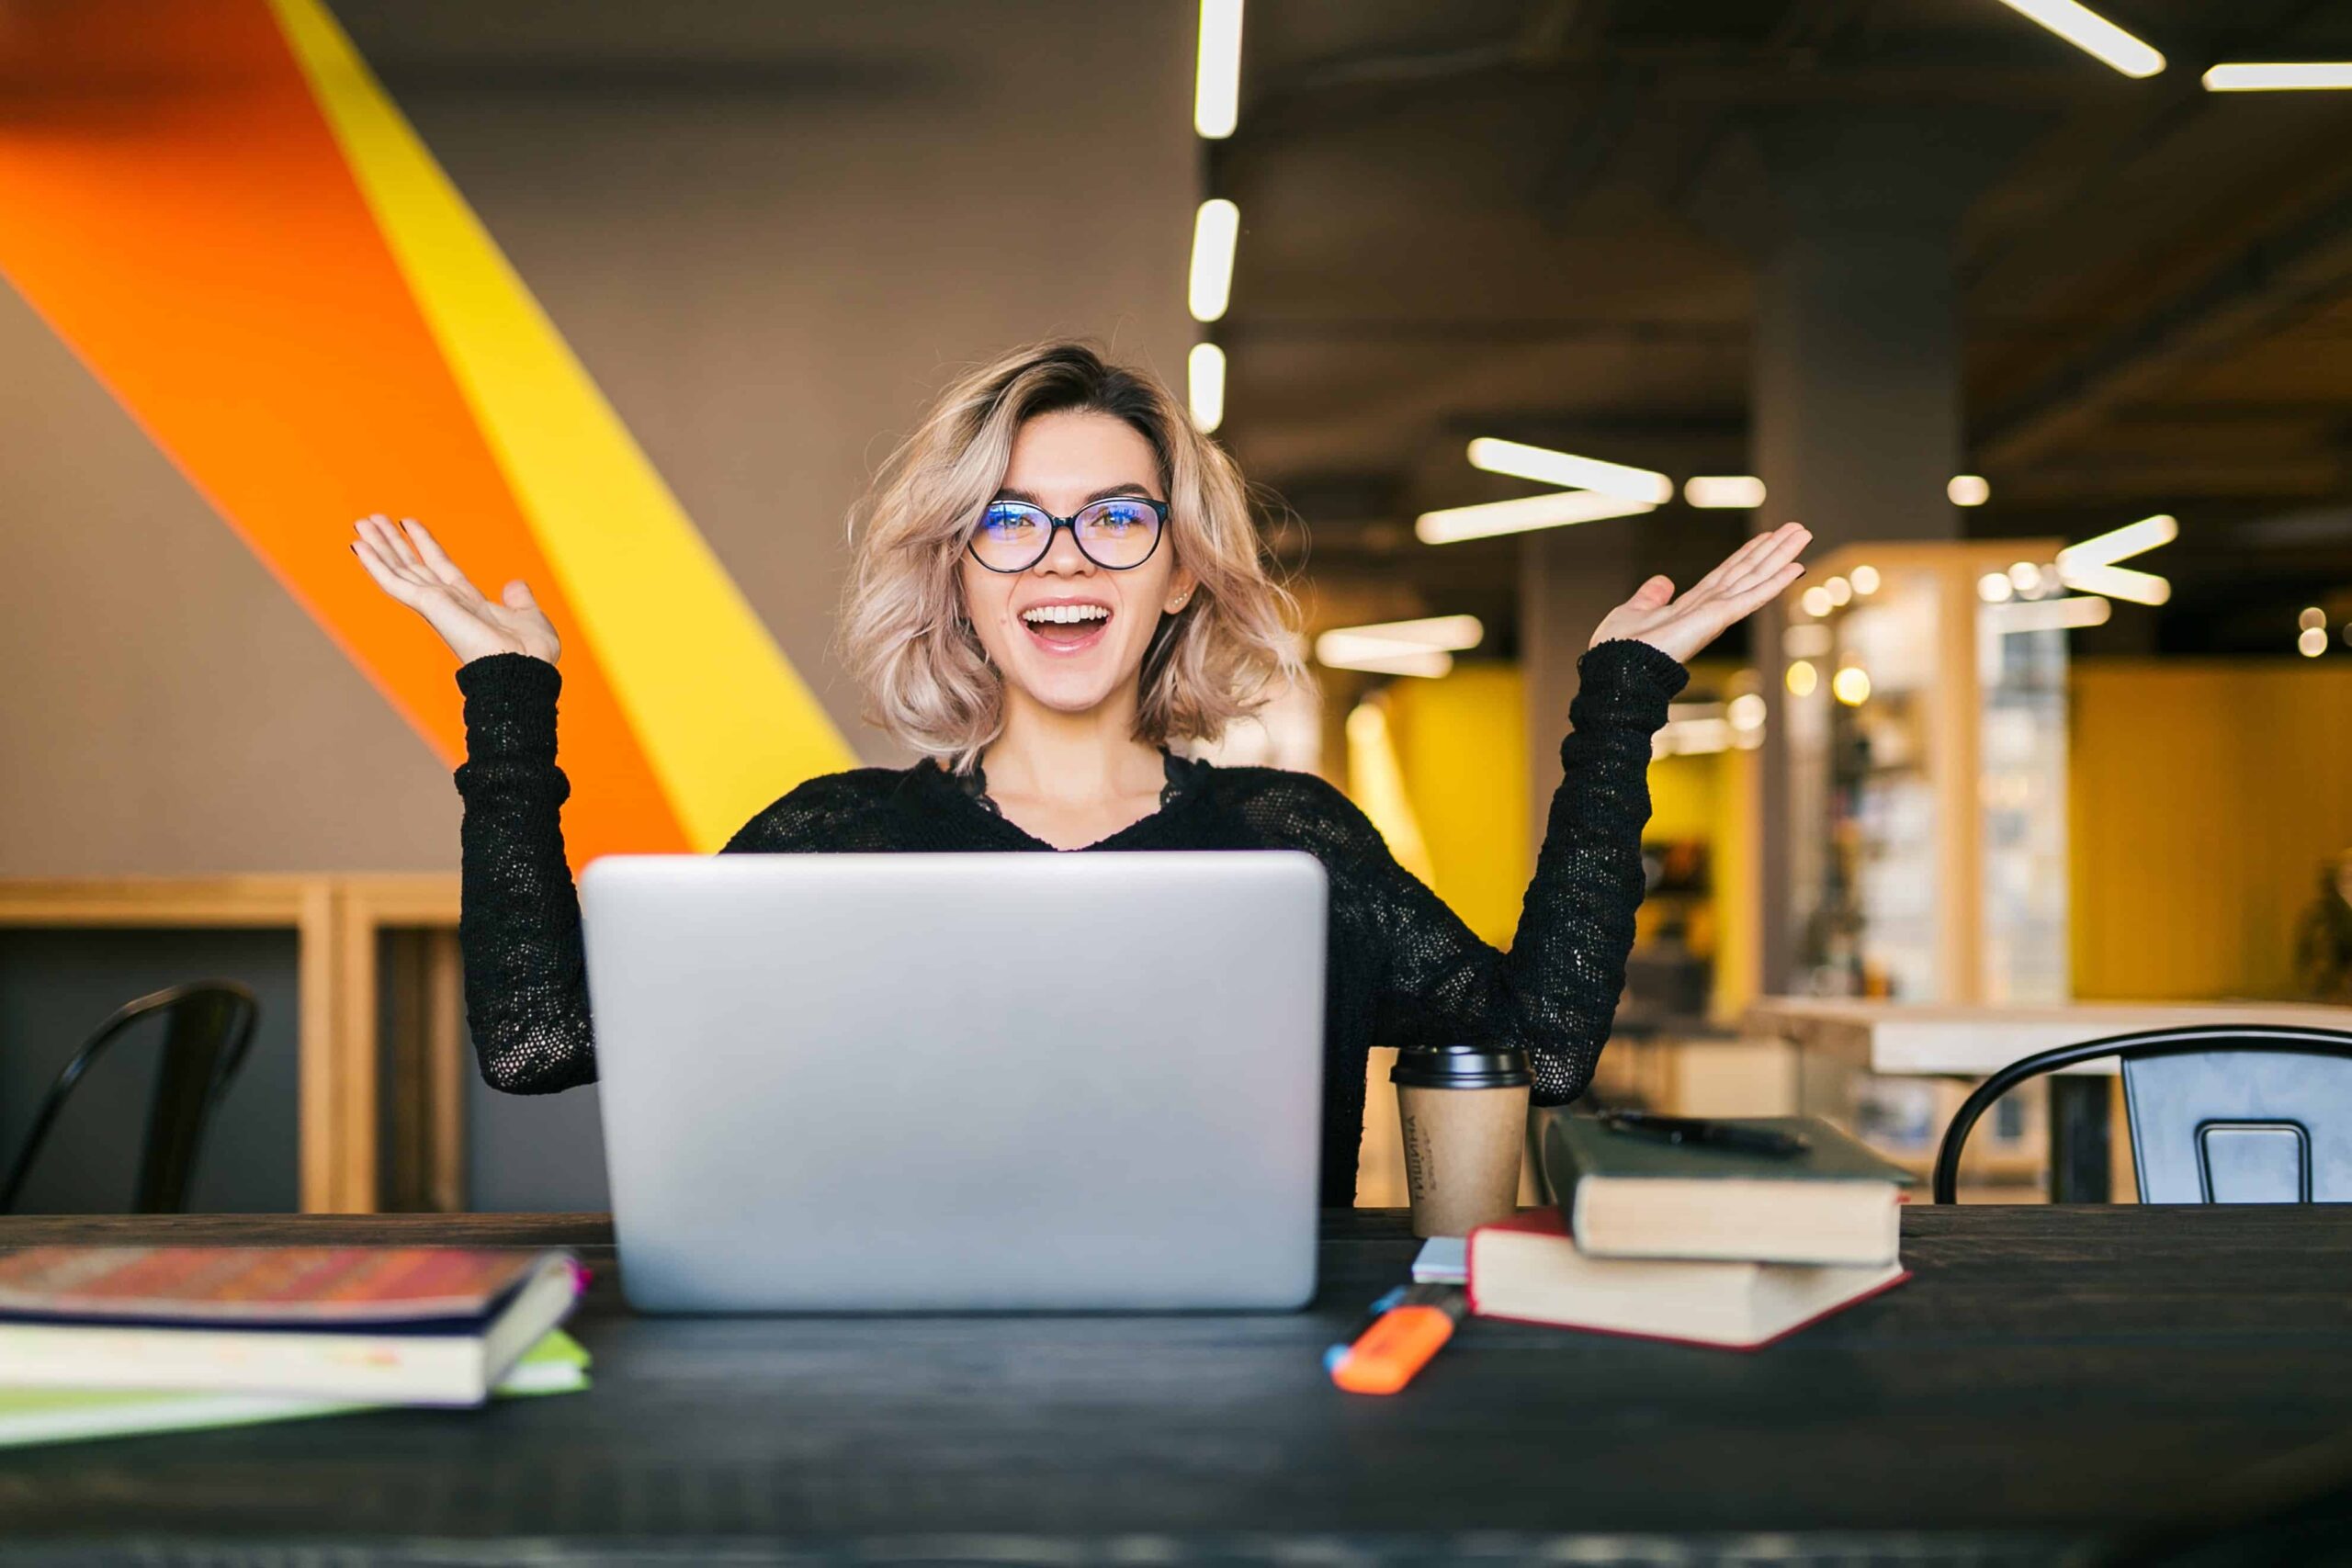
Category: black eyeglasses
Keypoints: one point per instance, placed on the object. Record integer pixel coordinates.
(1117, 535)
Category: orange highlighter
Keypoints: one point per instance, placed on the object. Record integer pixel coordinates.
(1409, 1325)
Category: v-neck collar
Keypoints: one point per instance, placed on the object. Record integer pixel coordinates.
(1182, 777)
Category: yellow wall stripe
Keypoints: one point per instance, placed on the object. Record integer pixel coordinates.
(725, 720)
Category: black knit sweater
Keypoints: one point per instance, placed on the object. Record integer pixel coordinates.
(1402, 967)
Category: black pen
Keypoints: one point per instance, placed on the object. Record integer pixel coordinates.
(1697, 1129)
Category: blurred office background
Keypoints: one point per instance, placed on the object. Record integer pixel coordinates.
(631, 301)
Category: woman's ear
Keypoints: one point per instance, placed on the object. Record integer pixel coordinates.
(1181, 586)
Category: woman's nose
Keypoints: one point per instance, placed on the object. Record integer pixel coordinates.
(1062, 556)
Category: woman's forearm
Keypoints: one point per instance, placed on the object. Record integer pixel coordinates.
(526, 989)
(1567, 961)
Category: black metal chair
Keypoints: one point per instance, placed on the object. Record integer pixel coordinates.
(207, 1028)
(2220, 1113)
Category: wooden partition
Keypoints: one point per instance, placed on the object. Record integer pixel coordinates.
(336, 920)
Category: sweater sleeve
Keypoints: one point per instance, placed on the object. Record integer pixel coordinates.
(518, 927)
(1555, 993)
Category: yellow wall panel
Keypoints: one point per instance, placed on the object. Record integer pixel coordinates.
(1462, 740)
(2205, 794)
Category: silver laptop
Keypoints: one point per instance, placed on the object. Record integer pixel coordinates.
(960, 1082)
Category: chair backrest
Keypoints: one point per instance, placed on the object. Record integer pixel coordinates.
(2247, 1124)
(207, 1028)
(2220, 1113)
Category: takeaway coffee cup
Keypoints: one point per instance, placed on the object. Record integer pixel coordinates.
(1464, 1114)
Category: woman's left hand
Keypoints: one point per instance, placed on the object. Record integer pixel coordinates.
(1753, 576)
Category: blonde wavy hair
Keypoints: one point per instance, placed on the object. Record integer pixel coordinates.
(903, 631)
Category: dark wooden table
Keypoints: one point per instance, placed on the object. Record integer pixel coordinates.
(2049, 1377)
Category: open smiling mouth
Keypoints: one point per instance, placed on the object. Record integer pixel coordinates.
(1066, 629)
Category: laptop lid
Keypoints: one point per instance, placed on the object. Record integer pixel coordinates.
(960, 1082)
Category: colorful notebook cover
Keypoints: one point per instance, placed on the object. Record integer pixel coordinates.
(310, 1287)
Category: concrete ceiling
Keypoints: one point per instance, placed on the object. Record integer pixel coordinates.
(1510, 217)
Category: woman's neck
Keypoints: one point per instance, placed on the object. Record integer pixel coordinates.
(1071, 758)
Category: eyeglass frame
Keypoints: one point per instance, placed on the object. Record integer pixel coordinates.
(1054, 524)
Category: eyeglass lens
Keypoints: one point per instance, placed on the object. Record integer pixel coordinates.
(1116, 534)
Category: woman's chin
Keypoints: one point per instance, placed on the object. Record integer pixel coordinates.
(1065, 691)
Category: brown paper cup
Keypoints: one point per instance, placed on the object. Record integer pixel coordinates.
(1463, 1148)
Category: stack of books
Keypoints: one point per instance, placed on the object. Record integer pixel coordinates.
(98, 1341)
(1695, 1242)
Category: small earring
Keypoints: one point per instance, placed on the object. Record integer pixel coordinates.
(1179, 603)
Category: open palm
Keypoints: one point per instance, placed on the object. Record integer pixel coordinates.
(1751, 578)
(411, 566)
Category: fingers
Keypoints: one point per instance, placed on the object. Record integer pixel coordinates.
(1657, 591)
(1743, 558)
(437, 560)
(1756, 561)
(1755, 597)
(1781, 548)
(374, 546)
(384, 544)
(389, 579)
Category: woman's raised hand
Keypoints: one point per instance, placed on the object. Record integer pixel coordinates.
(409, 565)
(1751, 578)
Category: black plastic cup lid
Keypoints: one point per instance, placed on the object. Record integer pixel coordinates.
(1461, 1067)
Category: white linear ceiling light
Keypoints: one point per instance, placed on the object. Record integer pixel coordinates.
(1546, 467)
(1216, 86)
(2093, 34)
(2281, 76)
(1558, 510)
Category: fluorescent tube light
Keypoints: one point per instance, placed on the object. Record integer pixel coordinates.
(1400, 648)
(1400, 658)
(1724, 491)
(1547, 467)
(1205, 371)
(2120, 543)
(1214, 231)
(2115, 583)
(1216, 85)
(2280, 77)
(2049, 614)
(1556, 511)
(1451, 634)
(2093, 34)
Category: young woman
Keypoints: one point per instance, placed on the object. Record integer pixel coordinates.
(1055, 577)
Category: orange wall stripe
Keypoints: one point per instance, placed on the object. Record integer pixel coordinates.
(181, 216)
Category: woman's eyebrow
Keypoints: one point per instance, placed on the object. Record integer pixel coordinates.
(1010, 494)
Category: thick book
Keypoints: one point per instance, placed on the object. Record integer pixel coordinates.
(556, 1364)
(410, 1325)
(1626, 1195)
(1530, 1270)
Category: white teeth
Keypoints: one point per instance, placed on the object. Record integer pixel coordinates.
(1064, 614)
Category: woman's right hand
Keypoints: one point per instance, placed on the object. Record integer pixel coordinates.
(409, 565)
